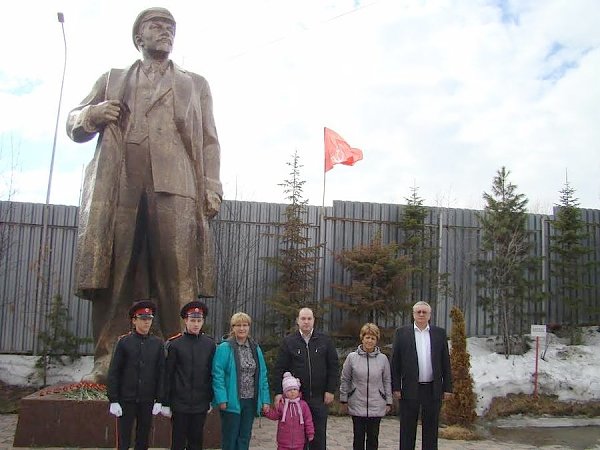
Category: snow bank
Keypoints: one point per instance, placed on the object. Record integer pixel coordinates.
(570, 372)
(20, 370)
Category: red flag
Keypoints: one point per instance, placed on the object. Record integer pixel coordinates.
(338, 151)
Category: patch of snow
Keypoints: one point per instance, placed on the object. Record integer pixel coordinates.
(570, 372)
(19, 370)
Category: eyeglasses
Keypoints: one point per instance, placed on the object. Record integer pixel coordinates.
(421, 311)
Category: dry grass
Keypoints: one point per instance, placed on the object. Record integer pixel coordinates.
(542, 405)
(458, 433)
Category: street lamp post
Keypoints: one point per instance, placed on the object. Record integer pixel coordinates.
(61, 19)
(43, 276)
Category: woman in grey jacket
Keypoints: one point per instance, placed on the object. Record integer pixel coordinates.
(366, 388)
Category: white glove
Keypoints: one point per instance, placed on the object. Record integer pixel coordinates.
(165, 411)
(115, 410)
(156, 409)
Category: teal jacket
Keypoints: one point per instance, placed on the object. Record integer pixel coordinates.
(225, 377)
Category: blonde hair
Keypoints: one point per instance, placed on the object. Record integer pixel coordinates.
(237, 318)
(370, 328)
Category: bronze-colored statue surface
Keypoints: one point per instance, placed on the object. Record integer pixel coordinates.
(149, 190)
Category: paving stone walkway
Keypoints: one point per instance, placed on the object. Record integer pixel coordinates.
(339, 436)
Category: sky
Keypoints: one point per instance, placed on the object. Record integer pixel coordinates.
(439, 94)
(568, 371)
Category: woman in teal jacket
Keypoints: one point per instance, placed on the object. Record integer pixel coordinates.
(239, 377)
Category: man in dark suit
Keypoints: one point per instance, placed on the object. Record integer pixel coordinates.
(150, 189)
(421, 377)
(310, 356)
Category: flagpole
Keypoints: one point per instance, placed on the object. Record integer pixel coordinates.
(323, 233)
(324, 170)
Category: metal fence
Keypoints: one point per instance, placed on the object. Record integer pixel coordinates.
(248, 232)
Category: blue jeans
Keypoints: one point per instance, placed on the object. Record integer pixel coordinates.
(236, 429)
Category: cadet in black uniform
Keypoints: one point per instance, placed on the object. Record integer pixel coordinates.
(188, 380)
(135, 377)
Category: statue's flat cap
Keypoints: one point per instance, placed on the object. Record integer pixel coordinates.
(149, 14)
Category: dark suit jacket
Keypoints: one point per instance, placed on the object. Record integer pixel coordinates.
(405, 365)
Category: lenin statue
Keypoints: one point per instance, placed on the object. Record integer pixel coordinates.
(150, 189)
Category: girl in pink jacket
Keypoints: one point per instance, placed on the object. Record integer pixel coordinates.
(295, 421)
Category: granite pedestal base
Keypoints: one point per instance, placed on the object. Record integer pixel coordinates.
(54, 421)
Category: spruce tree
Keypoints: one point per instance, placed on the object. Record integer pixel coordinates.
(460, 408)
(297, 258)
(569, 263)
(57, 341)
(505, 269)
(420, 247)
(379, 281)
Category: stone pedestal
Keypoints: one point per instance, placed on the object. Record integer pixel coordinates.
(55, 421)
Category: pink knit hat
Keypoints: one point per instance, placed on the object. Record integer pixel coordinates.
(289, 382)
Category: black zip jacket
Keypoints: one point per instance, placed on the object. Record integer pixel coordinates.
(188, 373)
(316, 364)
(136, 369)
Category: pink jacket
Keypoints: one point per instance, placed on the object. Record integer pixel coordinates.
(291, 432)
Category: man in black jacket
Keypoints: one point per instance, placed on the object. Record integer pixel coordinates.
(188, 379)
(312, 357)
(135, 377)
(421, 377)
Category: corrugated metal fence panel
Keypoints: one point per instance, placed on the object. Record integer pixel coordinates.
(20, 248)
(459, 250)
(559, 311)
(248, 232)
(592, 218)
(27, 289)
(352, 223)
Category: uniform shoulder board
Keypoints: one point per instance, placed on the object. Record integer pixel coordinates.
(123, 335)
(174, 337)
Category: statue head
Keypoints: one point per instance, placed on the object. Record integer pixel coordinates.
(147, 15)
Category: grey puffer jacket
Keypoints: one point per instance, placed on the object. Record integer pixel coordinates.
(366, 383)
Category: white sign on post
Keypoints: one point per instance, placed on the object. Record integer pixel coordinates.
(538, 331)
